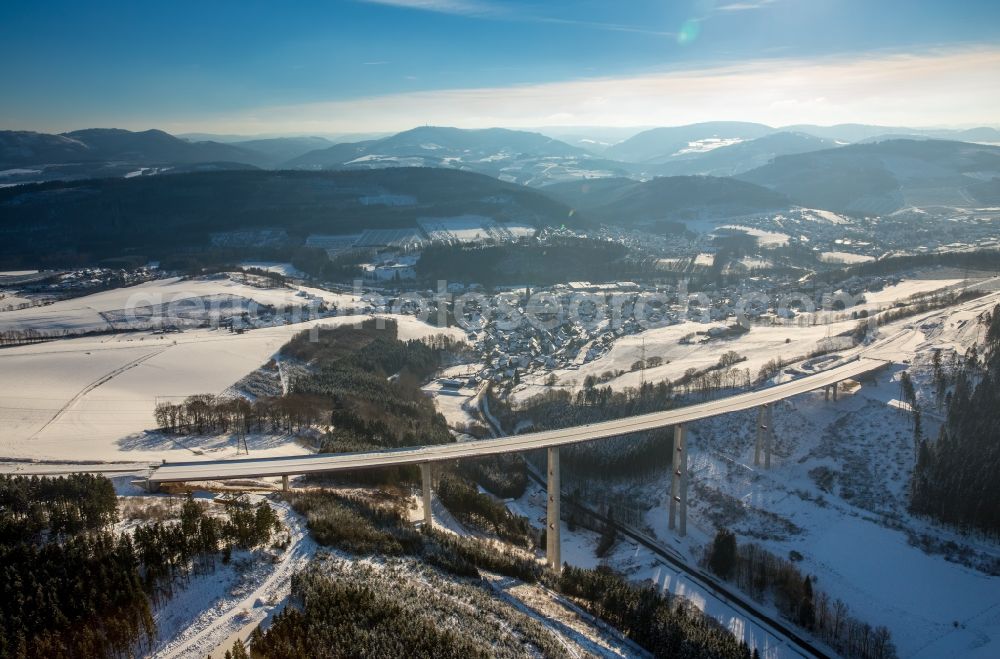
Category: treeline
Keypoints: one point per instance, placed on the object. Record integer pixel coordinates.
(33, 506)
(662, 624)
(20, 337)
(169, 552)
(764, 576)
(483, 512)
(634, 455)
(987, 259)
(552, 260)
(205, 413)
(955, 479)
(362, 527)
(69, 587)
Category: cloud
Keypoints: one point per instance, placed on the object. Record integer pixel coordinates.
(934, 88)
(488, 10)
(746, 6)
(459, 7)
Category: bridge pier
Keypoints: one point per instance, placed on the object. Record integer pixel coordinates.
(768, 436)
(679, 480)
(826, 392)
(765, 435)
(836, 388)
(552, 544)
(284, 483)
(425, 482)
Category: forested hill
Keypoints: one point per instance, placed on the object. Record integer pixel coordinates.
(955, 479)
(157, 216)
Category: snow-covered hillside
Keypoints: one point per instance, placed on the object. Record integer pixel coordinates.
(92, 398)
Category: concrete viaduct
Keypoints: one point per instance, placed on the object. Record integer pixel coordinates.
(551, 440)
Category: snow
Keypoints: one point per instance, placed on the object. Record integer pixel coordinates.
(844, 257)
(759, 345)
(707, 144)
(214, 609)
(10, 302)
(764, 238)
(463, 228)
(823, 216)
(284, 269)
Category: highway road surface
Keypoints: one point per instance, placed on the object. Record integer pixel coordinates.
(321, 463)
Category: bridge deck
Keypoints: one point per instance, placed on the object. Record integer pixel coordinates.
(311, 464)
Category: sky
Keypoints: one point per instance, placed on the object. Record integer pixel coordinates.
(354, 66)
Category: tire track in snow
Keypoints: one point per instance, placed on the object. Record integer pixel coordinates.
(94, 385)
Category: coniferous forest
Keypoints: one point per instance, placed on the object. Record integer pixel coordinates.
(955, 479)
(73, 587)
(371, 380)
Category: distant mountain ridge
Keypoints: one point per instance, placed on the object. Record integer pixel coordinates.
(882, 177)
(658, 145)
(722, 148)
(511, 155)
(147, 147)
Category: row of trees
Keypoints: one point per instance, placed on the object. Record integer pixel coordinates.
(761, 574)
(205, 413)
(20, 337)
(662, 624)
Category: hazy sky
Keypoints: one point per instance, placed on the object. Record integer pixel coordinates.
(372, 65)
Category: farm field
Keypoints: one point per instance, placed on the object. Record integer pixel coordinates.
(92, 398)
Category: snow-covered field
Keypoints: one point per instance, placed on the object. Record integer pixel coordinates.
(92, 399)
(759, 345)
(836, 493)
(110, 309)
(845, 257)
